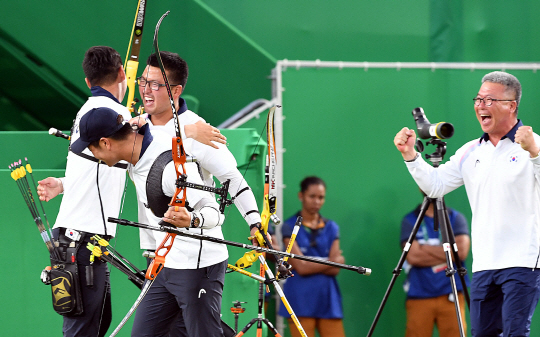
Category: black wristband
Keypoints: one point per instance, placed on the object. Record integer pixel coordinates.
(415, 157)
(258, 225)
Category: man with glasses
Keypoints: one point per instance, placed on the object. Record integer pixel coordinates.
(93, 192)
(501, 174)
(217, 161)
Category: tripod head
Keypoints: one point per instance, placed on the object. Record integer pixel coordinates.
(237, 307)
(437, 156)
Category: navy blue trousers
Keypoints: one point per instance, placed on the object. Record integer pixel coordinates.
(503, 301)
(188, 298)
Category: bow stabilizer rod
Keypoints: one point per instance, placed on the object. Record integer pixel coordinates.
(170, 229)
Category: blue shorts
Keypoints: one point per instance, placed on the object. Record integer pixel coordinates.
(503, 301)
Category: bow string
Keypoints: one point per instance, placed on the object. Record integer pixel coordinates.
(179, 160)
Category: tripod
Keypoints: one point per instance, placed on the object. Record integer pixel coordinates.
(237, 309)
(259, 319)
(441, 220)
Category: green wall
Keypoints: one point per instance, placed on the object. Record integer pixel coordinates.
(227, 69)
(390, 30)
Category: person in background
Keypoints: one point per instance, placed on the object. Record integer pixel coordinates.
(313, 291)
(430, 299)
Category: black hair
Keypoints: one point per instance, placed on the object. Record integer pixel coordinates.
(312, 180)
(101, 65)
(175, 66)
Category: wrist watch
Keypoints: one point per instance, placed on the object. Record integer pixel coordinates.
(195, 221)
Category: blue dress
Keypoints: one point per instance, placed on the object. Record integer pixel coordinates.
(315, 295)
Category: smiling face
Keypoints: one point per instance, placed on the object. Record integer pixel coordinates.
(499, 118)
(157, 103)
(103, 153)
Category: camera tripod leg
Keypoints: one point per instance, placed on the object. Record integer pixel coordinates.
(397, 270)
(441, 217)
(461, 271)
(259, 333)
(445, 228)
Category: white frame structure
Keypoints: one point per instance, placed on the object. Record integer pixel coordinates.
(283, 65)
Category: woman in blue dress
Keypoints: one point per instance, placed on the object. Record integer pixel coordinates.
(313, 291)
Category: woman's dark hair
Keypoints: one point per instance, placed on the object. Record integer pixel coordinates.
(312, 180)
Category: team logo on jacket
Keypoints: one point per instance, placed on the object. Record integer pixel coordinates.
(513, 158)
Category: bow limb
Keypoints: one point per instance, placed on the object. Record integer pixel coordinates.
(131, 66)
(179, 155)
(269, 204)
(132, 58)
(270, 189)
(135, 305)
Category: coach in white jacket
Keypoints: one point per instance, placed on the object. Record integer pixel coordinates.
(501, 172)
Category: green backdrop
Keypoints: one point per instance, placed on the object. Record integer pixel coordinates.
(339, 124)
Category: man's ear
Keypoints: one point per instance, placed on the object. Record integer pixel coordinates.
(178, 90)
(106, 142)
(121, 75)
(513, 106)
(87, 83)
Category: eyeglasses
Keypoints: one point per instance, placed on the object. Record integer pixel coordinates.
(488, 101)
(141, 81)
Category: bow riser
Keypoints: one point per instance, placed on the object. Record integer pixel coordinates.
(158, 262)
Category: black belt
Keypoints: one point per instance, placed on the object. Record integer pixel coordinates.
(85, 236)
